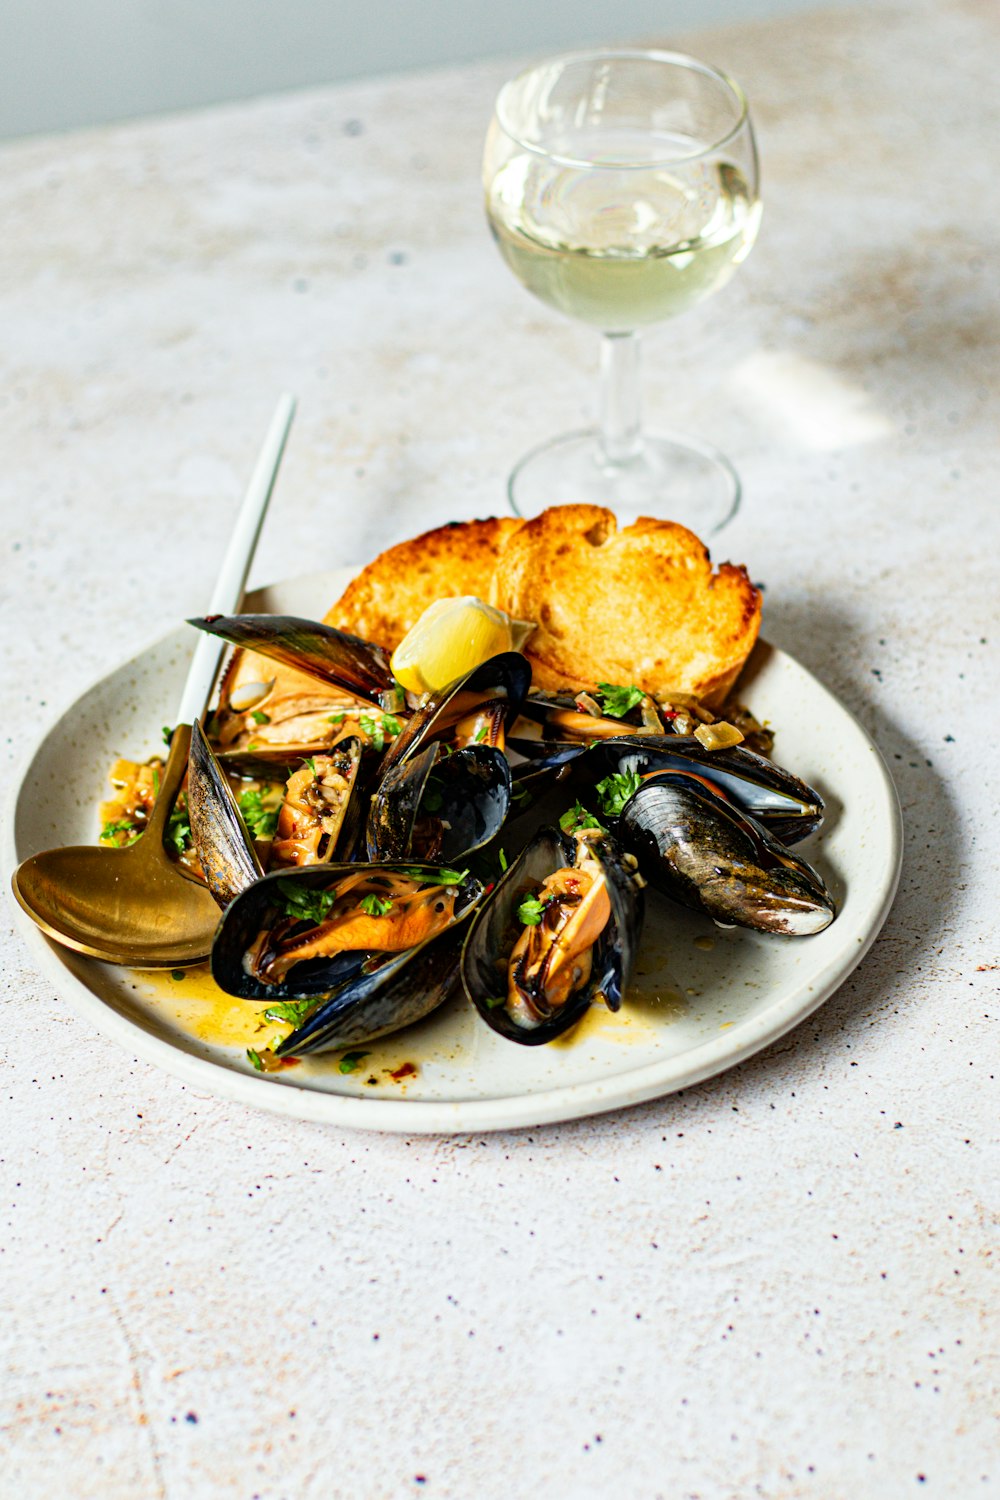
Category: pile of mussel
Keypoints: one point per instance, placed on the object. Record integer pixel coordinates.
(401, 855)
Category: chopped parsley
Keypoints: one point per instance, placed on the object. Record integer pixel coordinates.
(336, 718)
(351, 1060)
(124, 825)
(377, 729)
(178, 834)
(577, 818)
(292, 1011)
(520, 793)
(167, 733)
(254, 1056)
(261, 821)
(481, 733)
(310, 762)
(502, 857)
(303, 904)
(492, 1001)
(376, 906)
(259, 716)
(430, 876)
(618, 701)
(614, 791)
(529, 913)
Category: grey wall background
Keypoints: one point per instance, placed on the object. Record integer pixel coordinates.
(67, 63)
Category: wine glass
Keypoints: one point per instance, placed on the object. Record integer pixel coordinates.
(621, 188)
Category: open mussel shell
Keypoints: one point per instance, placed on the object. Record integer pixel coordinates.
(330, 655)
(437, 806)
(495, 929)
(695, 846)
(400, 992)
(561, 718)
(224, 848)
(496, 687)
(262, 906)
(321, 820)
(785, 805)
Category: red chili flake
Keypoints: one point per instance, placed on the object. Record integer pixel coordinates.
(668, 713)
(408, 1070)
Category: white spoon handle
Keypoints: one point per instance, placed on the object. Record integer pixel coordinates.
(232, 578)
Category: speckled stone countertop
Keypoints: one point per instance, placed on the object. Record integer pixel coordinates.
(773, 1284)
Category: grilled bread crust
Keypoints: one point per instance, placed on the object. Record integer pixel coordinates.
(390, 595)
(639, 606)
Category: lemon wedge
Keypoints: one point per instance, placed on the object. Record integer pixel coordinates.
(451, 637)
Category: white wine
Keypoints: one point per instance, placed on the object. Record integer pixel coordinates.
(621, 247)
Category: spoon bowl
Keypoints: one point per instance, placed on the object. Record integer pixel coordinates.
(126, 906)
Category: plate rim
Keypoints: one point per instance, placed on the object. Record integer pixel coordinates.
(281, 1094)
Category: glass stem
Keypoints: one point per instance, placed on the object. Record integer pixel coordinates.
(620, 431)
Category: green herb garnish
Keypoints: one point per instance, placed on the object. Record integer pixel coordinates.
(481, 734)
(377, 730)
(351, 1060)
(502, 858)
(310, 762)
(261, 821)
(259, 716)
(614, 791)
(178, 834)
(578, 817)
(167, 733)
(617, 701)
(437, 877)
(305, 905)
(254, 1056)
(336, 718)
(125, 825)
(376, 906)
(529, 913)
(292, 1011)
(492, 1001)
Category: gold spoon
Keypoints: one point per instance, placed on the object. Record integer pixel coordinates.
(135, 905)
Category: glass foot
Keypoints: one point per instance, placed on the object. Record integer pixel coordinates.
(671, 477)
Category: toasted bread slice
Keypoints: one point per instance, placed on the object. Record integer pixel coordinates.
(391, 594)
(640, 606)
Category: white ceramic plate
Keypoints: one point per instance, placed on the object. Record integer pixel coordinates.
(705, 1000)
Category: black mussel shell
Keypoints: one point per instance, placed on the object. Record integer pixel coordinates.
(495, 930)
(222, 843)
(788, 808)
(698, 848)
(377, 1001)
(260, 906)
(437, 806)
(538, 765)
(505, 678)
(331, 655)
